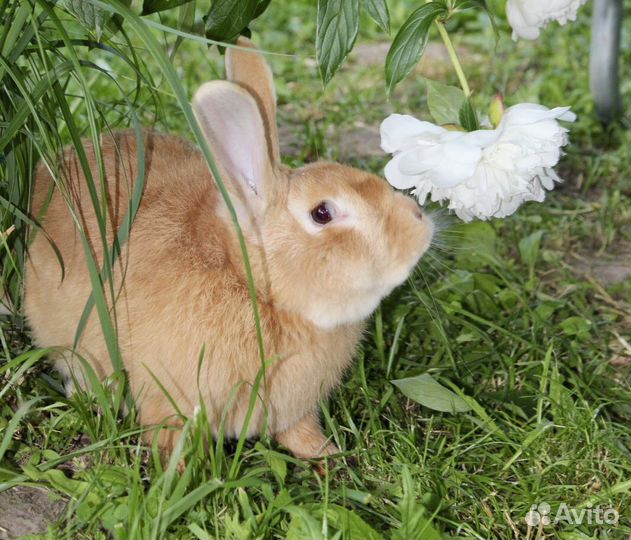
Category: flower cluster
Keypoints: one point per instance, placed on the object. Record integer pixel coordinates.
(527, 16)
(484, 173)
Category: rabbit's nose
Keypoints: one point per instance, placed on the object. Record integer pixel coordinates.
(413, 207)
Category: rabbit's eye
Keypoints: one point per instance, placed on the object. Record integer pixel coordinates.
(322, 214)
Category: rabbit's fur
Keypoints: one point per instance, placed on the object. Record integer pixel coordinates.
(180, 284)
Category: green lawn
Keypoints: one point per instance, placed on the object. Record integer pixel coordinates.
(528, 316)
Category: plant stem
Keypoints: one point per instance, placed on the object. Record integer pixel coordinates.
(453, 57)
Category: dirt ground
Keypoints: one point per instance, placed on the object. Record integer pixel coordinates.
(27, 510)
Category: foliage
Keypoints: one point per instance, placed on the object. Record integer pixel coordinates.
(501, 313)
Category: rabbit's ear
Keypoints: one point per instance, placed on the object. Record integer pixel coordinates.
(234, 129)
(249, 69)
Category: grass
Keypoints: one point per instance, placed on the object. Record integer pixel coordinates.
(517, 315)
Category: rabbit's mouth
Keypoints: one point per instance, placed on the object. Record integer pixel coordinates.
(410, 231)
(414, 253)
(357, 304)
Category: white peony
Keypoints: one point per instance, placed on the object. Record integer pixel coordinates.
(527, 16)
(484, 173)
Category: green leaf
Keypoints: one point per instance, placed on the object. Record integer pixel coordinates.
(444, 102)
(529, 249)
(337, 25)
(199, 533)
(11, 32)
(378, 11)
(469, 4)
(350, 523)
(153, 6)
(92, 17)
(410, 41)
(425, 390)
(227, 18)
(468, 117)
(11, 428)
(260, 8)
(496, 8)
(303, 526)
(416, 521)
(59, 481)
(278, 464)
(176, 505)
(576, 326)
(185, 21)
(307, 519)
(475, 244)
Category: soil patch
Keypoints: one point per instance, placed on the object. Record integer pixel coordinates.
(27, 510)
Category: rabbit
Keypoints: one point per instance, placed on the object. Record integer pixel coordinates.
(326, 243)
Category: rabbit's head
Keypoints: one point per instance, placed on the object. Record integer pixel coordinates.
(335, 239)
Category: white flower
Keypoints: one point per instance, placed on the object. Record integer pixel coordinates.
(484, 173)
(527, 16)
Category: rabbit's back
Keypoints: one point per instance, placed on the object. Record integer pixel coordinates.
(176, 183)
(174, 262)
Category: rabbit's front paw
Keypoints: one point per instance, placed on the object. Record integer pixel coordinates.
(305, 439)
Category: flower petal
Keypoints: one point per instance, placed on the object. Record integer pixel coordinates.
(401, 131)
(396, 178)
(527, 16)
(445, 165)
(531, 113)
